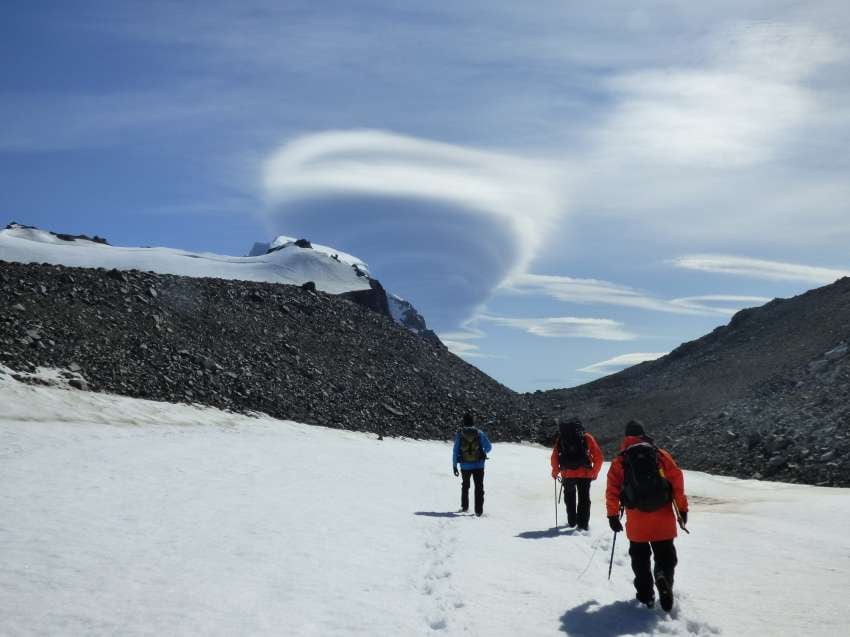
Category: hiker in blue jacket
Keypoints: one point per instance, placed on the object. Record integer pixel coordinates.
(470, 451)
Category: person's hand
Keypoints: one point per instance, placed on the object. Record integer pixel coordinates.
(456, 472)
(554, 475)
(684, 517)
(614, 523)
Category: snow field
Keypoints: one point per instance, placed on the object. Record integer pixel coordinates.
(292, 265)
(122, 516)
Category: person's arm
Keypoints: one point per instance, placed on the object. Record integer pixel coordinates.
(486, 445)
(456, 452)
(595, 455)
(614, 487)
(556, 469)
(676, 478)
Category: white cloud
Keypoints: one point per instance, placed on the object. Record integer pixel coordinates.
(735, 110)
(461, 348)
(467, 350)
(705, 303)
(620, 362)
(593, 291)
(738, 139)
(527, 194)
(458, 343)
(565, 327)
(759, 268)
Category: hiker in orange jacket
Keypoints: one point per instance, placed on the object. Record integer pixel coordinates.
(647, 482)
(578, 459)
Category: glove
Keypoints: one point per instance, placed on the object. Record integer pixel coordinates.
(614, 523)
(684, 516)
(554, 475)
(456, 472)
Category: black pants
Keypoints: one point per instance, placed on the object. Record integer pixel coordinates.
(665, 562)
(577, 516)
(478, 478)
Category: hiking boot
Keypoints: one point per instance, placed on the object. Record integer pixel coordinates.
(665, 591)
(583, 528)
(647, 599)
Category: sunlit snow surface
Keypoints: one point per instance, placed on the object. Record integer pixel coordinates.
(291, 264)
(123, 516)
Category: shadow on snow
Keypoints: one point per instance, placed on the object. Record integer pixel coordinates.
(555, 531)
(443, 514)
(620, 618)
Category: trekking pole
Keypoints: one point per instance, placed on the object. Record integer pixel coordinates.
(557, 498)
(560, 490)
(613, 544)
(679, 518)
(611, 562)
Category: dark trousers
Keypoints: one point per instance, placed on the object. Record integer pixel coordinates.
(577, 515)
(665, 562)
(478, 478)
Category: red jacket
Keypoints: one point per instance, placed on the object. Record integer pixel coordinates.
(642, 526)
(591, 472)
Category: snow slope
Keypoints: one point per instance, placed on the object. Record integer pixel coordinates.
(344, 257)
(291, 264)
(122, 516)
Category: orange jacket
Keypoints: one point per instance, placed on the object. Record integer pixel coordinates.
(642, 526)
(591, 472)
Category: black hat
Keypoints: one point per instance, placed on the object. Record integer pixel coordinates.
(570, 420)
(635, 428)
(468, 421)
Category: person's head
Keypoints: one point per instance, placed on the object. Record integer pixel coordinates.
(635, 428)
(468, 420)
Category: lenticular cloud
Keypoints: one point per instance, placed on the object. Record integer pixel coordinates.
(526, 195)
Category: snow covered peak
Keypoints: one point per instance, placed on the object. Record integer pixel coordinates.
(284, 242)
(294, 266)
(405, 314)
(31, 233)
(284, 260)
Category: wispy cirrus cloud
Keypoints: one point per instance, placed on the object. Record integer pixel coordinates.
(708, 304)
(620, 362)
(759, 268)
(462, 348)
(596, 292)
(565, 327)
(458, 341)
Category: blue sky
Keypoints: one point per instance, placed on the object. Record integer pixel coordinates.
(555, 185)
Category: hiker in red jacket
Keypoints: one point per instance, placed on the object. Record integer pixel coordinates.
(647, 482)
(577, 458)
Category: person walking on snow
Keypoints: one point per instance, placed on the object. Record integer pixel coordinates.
(577, 458)
(470, 451)
(647, 482)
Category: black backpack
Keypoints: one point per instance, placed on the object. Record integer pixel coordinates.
(572, 446)
(644, 486)
(470, 445)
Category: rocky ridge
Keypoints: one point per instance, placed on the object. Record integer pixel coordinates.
(766, 396)
(284, 350)
(795, 427)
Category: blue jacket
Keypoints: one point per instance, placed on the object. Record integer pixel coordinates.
(486, 445)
